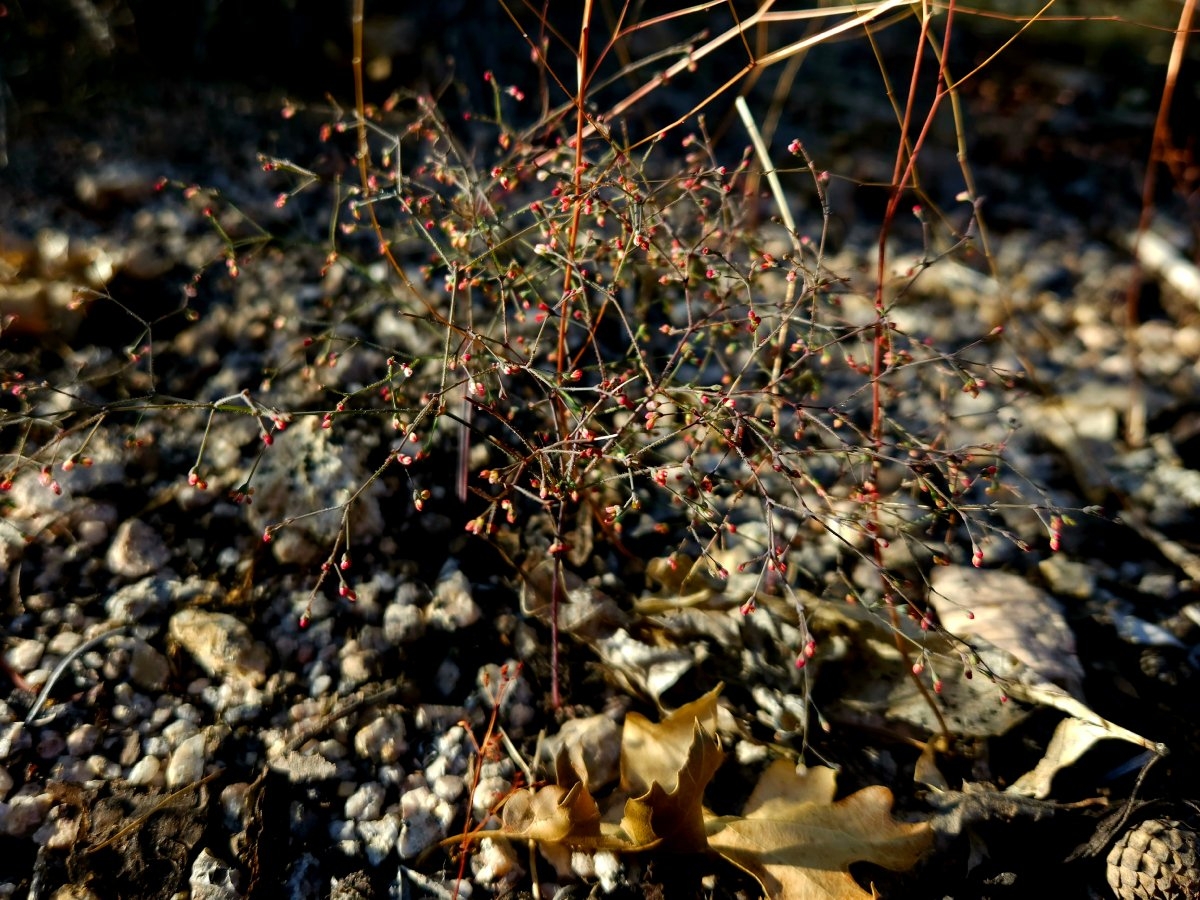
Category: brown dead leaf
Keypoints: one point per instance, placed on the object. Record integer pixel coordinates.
(655, 752)
(683, 582)
(665, 768)
(564, 816)
(674, 813)
(799, 844)
(553, 814)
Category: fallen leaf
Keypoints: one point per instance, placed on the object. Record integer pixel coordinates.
(665, 768)
(682, 581)
(1072, 738)
(799, 844)
(654, 752)
(1012, 615)
(674, 813)
(553, 814)
(563, 817)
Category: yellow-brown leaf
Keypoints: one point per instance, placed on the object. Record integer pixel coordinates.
(799, 844)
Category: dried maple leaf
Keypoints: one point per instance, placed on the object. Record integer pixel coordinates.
(665, 768)
(674, 813)
(799, 844)
(654, 752)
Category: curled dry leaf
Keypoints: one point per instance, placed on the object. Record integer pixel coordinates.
(553, 814)
(665, 768)
(656, 752)
(674, 812)
(799, 844)
(683, 582)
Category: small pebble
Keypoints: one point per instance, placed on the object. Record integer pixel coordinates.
(187, 762)
(488, 794)
(403, 621)
(495, 861)
(136, 550)
(103, 768)
(356, 664)
(449, 787)
(156, 745)
(145, 771)
(221, 645)
(211, 879)
(426, 819)
(382, 739)
(134, 602)
(82, 740)
(63, 643)
(148, 669)
(24, 814)
(13, 737)
(380, 836)
(453, 607)
(301, 768)
(60, 831)
(23, 654)
(50, 745)
(366, 803)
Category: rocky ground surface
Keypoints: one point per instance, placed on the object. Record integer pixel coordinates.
(167, 724)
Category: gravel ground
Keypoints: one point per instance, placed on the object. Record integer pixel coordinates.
(167, 725)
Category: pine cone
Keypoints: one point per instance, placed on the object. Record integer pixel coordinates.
(1157, 860)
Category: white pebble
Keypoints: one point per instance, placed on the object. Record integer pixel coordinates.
(426, 819)
(488, 793)
(71, 771)
(156, 745)
(449, 787)
(366, 803)
(25, 813)
(145, 771)
(452, 606)
(83, 739)
(382, 739)
(212, 879)
(133, 602)
(380, 836)
(608, 870)
(301, 768)
(356, 665)
(103, 768)
(187, 762)
(63, 643)
(24, 654)
(221, 645)
(403, 624)
(136, 550)
(60, 832)
(495, 861)
(179, 731)
(13, 737)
